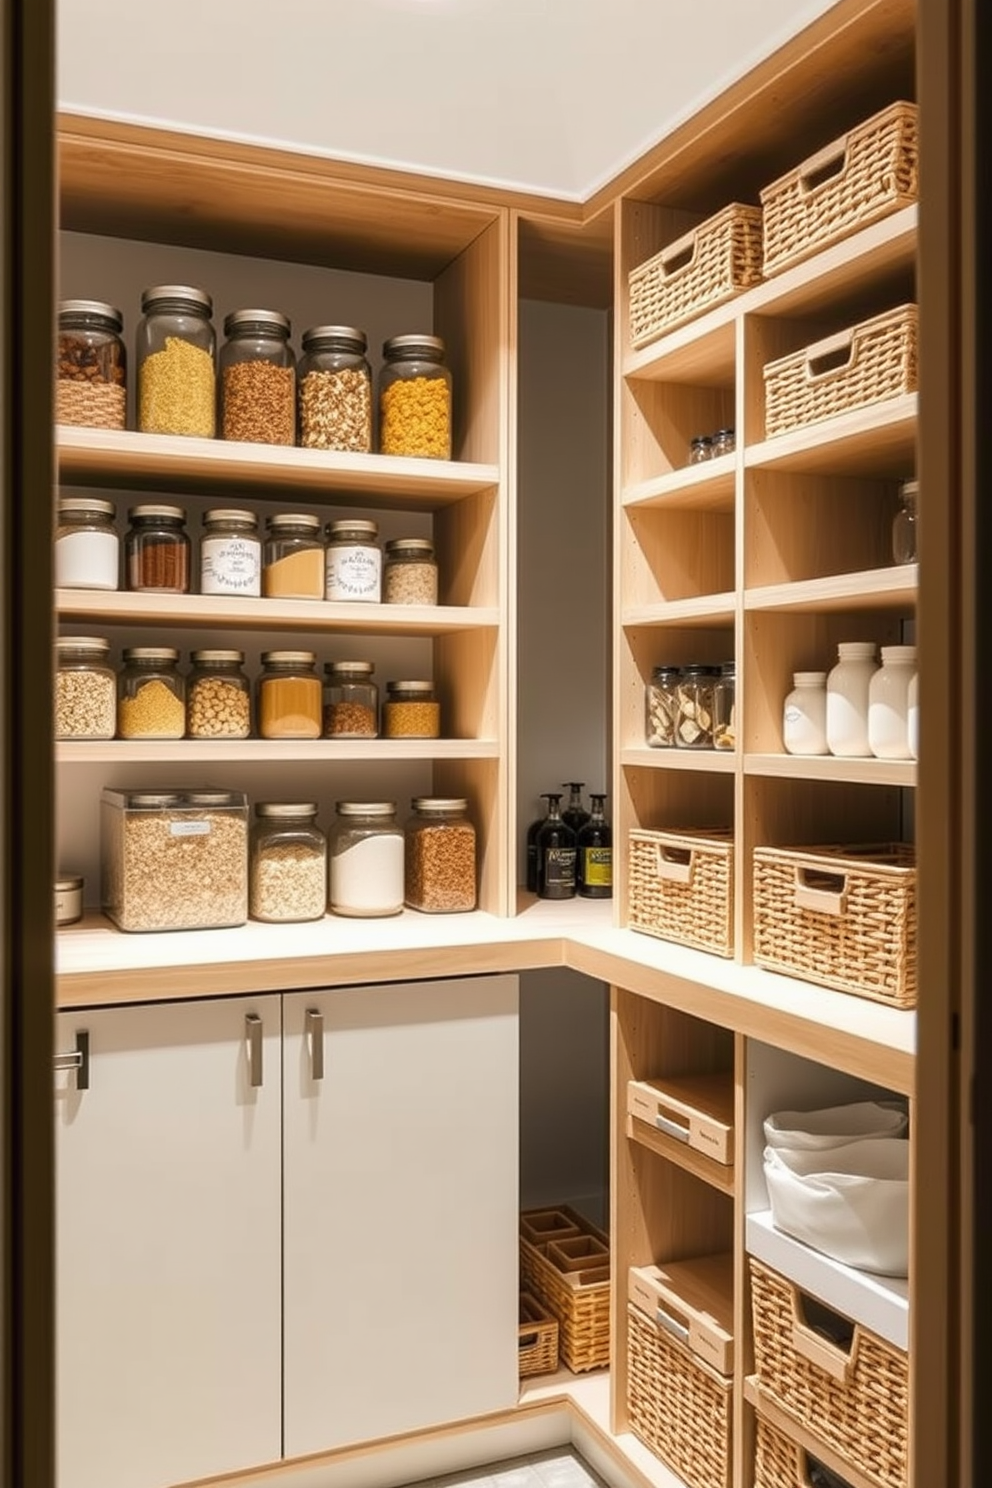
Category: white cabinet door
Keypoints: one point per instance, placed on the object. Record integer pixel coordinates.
(169, 1245)
(401, 1196)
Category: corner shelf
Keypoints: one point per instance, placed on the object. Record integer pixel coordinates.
(702, 610)
(828, 767)
(708, 486)
(892, 588)
(878, 439)
(717, 761)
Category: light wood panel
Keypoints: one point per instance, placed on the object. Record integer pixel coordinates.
(660, 420)
(670, 556)
(799, 528)
(826, 767)
(706, 761)
(708, 486)
(467, 544)
(275, 751)
(697, 1163)
(566, 263)
(879, 440)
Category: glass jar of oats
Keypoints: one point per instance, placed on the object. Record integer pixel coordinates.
(287, 863)
(409, 573)
(415, 398)
(85, 689)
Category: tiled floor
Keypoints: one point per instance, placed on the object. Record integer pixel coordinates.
(560, 1468)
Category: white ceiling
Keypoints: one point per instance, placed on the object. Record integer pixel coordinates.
(549, 96)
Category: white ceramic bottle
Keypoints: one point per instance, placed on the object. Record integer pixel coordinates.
(804, 716)
(913, 716)
(888, 703)
(847, 699)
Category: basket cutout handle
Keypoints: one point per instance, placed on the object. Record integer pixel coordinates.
(678, 255)
(675, 864)
(823, 167)
(824, 1338)
(823, 893)
(527, 1340)
(831, 356)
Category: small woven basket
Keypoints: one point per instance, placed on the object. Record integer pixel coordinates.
(854, 1399)
(875, 360)
(681, 887)
(781, 1463)
(677, 1405)
(570, 1278)
(715, 261)
(866, 174)
(537, 1338)
(844, 917)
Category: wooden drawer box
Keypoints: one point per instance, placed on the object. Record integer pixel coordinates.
(695, 1109)
(694, 1302)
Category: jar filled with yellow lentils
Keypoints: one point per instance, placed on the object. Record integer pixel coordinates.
(151, 694)
(415, 398)
(176, 356)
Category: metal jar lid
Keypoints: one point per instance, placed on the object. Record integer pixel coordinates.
(237, 657)
(268, 320)
(285, 809)
(439, 803)
(150, 653)
(146, 800)
(286, 658)
(349, 337)
(150, 510)
(419, 547)
(213, 798)
(365, 808)
(83, 643)
(231, 517)
(418, 686)
(68, 883)
(83, 504)
(349, 668)
(107, 316)
(404, 346)
(293, 519)
(355, 527)
(185, 295)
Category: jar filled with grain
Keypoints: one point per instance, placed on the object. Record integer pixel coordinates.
(335, 390)
(287, 863)
(91, 370)
(415, 398)
(354, 561)
(289, 696)
(151, 694)
(176, 355)
(366, 860)
(218, 696)
(439, 876)
(409, 574)
(230, 553)
(85, 689)
(87, 548)
(257, 378)
(411, 711)
(157, 549)
(351, 700)
(293, 557)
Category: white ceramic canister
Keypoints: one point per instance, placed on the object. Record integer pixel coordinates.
(888, 703)
(804, 716)
(847, 699)
(913, 716)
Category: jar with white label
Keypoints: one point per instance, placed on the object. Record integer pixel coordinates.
(231, 553)
(69, 899)
(913, 715)
(366, 860)
(888, 703)
(287, 863)
(87, 548)
(804, 716)
(354, 562)
(847, 699)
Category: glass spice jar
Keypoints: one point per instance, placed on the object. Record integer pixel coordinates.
(411, 711)
(289, 696)
(440, 850)
(904, 545)
(85, 689)
(409, 574)
(351, 700)
(366, 860)
(87, 548)
(157, 549)
(724, 709)
(354, 562)
(151, 694)
(293, 557)
(415, 398)
(257, 384)
(694, 723)
(218, 696)
(230, 553)
(335, 390)
(722, 443)
(700, 449)
(661, 707)
(287, 863)
(176, 353)
(91, 369)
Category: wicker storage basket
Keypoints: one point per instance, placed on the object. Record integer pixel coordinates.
(866, 174)
(537, 1338)
(576, 1294)
(844, 917)
(866, 364)
(781, 1463)
(682, 887)
(677, 1405)
(853, 1398)
(708, 265)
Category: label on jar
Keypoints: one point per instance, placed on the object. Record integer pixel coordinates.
(189, 829)
(597, 867)
(559, 867)
(231, 565)
(354, 571)
(86, 560)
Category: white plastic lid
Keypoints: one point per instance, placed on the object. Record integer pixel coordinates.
(856, 650)
(901, 655)
(809, 679)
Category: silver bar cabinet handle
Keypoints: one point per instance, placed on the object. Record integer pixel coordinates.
(671, 1128)
(672, 1325)
(78, 1059)
(315, 1035)
(253, 1034)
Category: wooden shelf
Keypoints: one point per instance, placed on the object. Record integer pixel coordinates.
(708, 486)
(161, 462)
(715, 761)
(259, 751)
(892, 588)
(827, 767)
(700, 353)
(705, 1168)
(877, 440)
(702, 611)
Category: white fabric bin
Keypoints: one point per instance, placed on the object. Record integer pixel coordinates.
(806, 1131)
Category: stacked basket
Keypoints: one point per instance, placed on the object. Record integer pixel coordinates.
(565, 1266)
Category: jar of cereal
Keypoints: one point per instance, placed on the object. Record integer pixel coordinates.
(287, 863)
(176, 352)
(151, 694)
(85, 689)
(440, 856)
(351, 700)
(415, 398)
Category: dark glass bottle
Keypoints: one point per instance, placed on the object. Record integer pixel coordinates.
(555, 855)
(594, 846)
(532, 832)
(575, 814)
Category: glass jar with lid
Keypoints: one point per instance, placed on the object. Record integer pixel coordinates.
(723, 442)
(257, 381)
(351, 700)
(218, 696)
(415, 398)
(354, 561)
(724, 707)
(661, 707)
(289, 696)
(694, 721)
(440, 867)
(409, 572)
(87, 548)
(151, 694)
(293, 557)
(904, 544)
(335, 390)
(157, 549)
(91, 370)
(176, 355)
(366, 860)
(85, 689)
(411, 711)
(287, 863)
(230, 553)
(700, 449)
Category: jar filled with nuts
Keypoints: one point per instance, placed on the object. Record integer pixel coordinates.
(694, 722)
(661, 707)
(289, 696)
(218, 696)
(91, 372)
(176, 353)
(335, 390)
(409, 574)
(415, 398)
(287, 863)
(293, 557)
(257, 378)
(151, 694)
(85, 689)
(411, 711)
(351, 700)
(440, 857)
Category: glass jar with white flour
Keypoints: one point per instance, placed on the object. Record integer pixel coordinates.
(366, 860)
